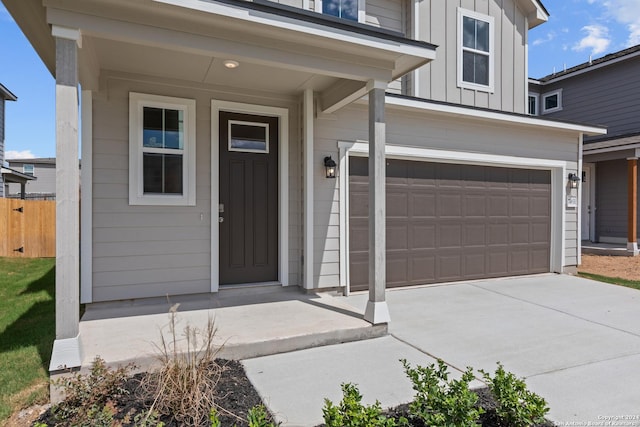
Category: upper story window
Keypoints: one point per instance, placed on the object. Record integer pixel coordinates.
(552, 101)
(161, 150)
(28, 169)
(534, 99)
(475, 51)
(352, 10)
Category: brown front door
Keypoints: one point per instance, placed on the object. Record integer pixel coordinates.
(248, 198)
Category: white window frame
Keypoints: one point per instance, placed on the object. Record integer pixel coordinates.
(33, 169)
(247, 150)
(550, 94)
(462, 13)
(362, 15)
(536, 111)
(137, 102)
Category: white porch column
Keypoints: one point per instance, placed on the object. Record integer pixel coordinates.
(66, 348)
(377, 311)
(307, 108)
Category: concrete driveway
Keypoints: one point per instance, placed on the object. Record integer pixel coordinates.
(576, 341)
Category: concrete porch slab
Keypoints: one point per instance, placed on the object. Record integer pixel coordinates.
(611, 249)
(250, 322)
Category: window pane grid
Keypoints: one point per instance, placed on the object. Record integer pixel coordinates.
(475, 51)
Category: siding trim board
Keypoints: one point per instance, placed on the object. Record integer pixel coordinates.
(558, 190)
(283, 183)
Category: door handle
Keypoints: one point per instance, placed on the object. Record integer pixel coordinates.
(220, 219)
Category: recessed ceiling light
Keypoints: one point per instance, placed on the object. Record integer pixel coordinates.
(229, 63)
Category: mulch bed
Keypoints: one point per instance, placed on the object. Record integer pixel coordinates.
(237, 395)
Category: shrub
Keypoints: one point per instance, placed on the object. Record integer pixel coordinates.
(351, 413)
(517, 406)
(184, 385)
(440, 401)
(89, 399)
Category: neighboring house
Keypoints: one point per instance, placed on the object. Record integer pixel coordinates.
(43, 169)
(8, 176)
(604, 91)
(210, 130)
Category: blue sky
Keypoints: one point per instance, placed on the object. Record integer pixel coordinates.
(576, 30)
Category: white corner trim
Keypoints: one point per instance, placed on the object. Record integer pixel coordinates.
(86, 185)
(361, 149)
(66, 354)
(67, 33)
(283, 183)
(309, 167)
(580, 201)
(515, 119)
(343, 177)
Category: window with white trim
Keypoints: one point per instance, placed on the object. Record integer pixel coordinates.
(28, 169)
(552, 101)
(475, 51)
(353, 10)
(162, 145)
(534, 99)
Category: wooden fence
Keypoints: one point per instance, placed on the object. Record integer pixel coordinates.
(27, 228)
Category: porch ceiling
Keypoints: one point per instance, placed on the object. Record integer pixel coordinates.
(208, 69)
(281, 49)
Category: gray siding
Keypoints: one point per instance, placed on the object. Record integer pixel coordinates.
(428, 131)
(611, 210)
(606, 96)
(45, 184)
(438, 79)
(146, 251)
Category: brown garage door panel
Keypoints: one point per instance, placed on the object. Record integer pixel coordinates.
(449, 222)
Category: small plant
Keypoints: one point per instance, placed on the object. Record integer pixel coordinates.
(258, 417)
(351, 413)
(184, 385)
(89, 399)
(440, 401)
(517, 406)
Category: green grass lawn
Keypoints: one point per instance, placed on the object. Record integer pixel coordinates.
(613, 280)
(27, 331)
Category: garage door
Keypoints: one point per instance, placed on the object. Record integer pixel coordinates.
(448, 222)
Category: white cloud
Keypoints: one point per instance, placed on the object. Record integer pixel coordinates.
(549, 37)
(14, 155)
(626, 12)
(597, 39)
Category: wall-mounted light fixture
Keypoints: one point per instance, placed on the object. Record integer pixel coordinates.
(330, 167)
(574, 180)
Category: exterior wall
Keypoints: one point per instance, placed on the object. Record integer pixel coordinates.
(426, 130)
(2, 186)
(438, 79)
(45, 172)
(606, 96)
(611, 189)
(146, 251)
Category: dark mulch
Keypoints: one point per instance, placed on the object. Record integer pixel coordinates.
(235, 396)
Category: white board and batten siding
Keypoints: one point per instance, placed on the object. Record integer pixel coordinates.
(444, 133)
(151, 251)
(438, 79)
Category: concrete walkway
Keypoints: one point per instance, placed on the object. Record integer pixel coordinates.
(577, 343)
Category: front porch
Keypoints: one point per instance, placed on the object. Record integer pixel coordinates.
(250, 322)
